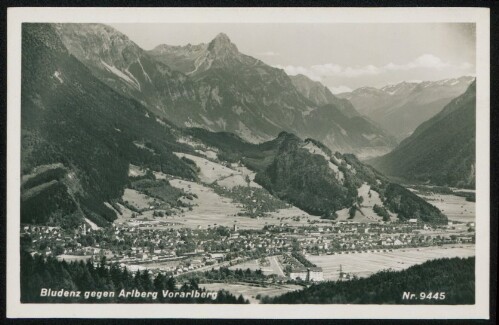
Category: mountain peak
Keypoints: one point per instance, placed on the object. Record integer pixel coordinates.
(222, 37)
(222, 44)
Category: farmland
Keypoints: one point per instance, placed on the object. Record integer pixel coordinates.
(456, 208)
(210, 209)
(365, 264)
(270, 266)
(250, 292)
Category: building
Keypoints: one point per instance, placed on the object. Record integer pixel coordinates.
(315, 274)
(312, 274)
(298, 274)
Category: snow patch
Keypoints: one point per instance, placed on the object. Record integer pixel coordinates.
(144, 72)
(215, 96)
(57, 75)
(206, 120)
(160, 121)
(134, 79)
(121, 75)
(369, 136)
(307, 111)
(237, 109)
(221, 123)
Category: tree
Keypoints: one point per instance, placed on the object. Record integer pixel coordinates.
(351, 211)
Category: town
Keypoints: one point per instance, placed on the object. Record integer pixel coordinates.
(175, 251)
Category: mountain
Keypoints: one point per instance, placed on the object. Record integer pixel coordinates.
(321, 95)
(308, 175)
(122, 65)
(82, 143)
(219, 53)
(441, 150)
(79, 136)
(402, 107)
(217, 87)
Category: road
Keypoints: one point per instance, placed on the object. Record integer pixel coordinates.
(276, 266)
(206, 268)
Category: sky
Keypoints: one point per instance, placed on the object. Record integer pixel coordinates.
(341, 56)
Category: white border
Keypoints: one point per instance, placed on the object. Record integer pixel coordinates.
(480, 16)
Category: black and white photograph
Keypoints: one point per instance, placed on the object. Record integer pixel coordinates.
(323, 162)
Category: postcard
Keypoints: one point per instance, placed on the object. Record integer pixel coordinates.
(248, 163)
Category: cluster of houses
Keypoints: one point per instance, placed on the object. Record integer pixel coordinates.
(182, 249)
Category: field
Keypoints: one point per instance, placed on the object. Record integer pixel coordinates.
(366, 213)
(136, 199)
(456, 208)
(209, 170)
(135, 171)
(253, 265)
(211, 209)
(91, 224)
(229, 177)
(273, 266)
(250, 291)
(365, 264)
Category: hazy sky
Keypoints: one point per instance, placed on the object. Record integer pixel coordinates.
(342, 56)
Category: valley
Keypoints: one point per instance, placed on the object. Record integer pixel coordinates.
(202, 166)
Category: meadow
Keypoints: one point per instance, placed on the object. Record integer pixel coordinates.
(365, 264)
(250, 292)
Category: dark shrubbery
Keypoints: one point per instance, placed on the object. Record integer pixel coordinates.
(381, 211)
(40, 272)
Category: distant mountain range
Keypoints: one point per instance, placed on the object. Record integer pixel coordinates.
(402, 107)
(216, 87)
(441, 150)
(80, 134)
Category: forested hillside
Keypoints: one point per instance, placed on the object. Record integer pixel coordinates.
(308, 175)
(38, 273)
(441, 151)
(72, 119)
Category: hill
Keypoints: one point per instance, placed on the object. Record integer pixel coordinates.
(308, 175)
(441, 151)
(455, 278)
